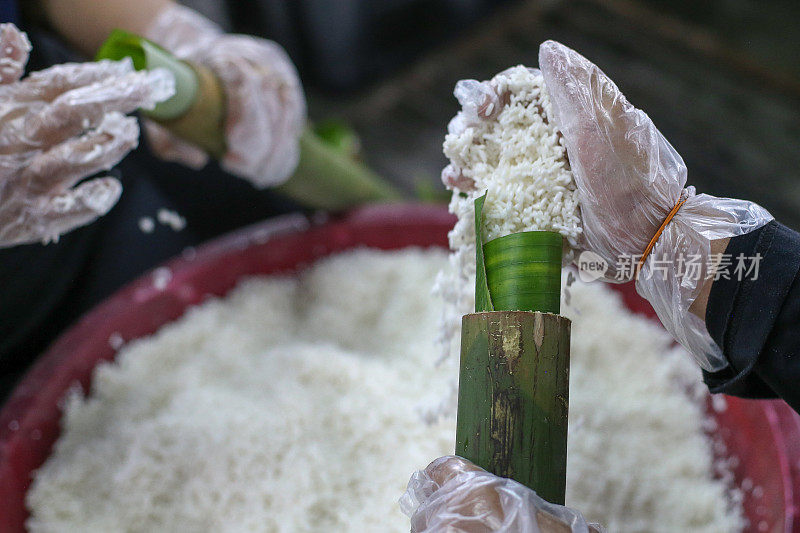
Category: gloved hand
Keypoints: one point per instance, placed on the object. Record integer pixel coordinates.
(454, 495)
(58, 126)
(266, 110)
(629, 177)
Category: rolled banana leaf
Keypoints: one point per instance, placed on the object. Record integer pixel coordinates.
(517, 272)
(147, 55)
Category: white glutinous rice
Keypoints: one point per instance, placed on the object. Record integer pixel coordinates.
(171, 218)
(147, 225)
(518, 157)
(295, 405)
(161, 278)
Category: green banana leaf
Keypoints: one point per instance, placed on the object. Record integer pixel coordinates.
(517, 272)
(147, 55)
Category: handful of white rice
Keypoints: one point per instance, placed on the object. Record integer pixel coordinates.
(518, 155)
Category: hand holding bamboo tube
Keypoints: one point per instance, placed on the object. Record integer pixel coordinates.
(454, 494)
(239, 100)
(261, 95)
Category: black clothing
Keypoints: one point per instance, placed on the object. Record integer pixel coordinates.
(755, 321)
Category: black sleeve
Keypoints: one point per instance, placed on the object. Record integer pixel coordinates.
(756, 319)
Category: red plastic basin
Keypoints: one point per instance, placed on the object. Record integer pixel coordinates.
(763, 435)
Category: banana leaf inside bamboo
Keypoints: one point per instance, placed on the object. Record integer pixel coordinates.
(146, 55)
(517, 272)
(514, 370)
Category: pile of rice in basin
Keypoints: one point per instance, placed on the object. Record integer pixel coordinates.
(305, 403)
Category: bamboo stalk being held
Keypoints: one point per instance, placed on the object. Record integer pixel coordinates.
(518, 222)
(503, 141)
(513, 397)
(325, 177)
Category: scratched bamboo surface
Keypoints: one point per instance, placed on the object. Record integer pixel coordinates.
(513, 397)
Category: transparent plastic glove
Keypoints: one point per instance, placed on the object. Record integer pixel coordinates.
(58, 126)
(454, 495)
(629, 177)
(266, 109)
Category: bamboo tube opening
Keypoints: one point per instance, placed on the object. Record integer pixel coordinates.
(146, 55)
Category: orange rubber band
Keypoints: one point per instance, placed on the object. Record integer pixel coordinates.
(652, 243)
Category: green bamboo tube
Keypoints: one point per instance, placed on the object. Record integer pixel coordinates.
(513, 397)
(196, 112)
(204, 121)
(325, 178)
(523, 271)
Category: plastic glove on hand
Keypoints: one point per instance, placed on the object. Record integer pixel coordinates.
(266, 110)
(629, 178)
(58, 126)
(454, 495)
